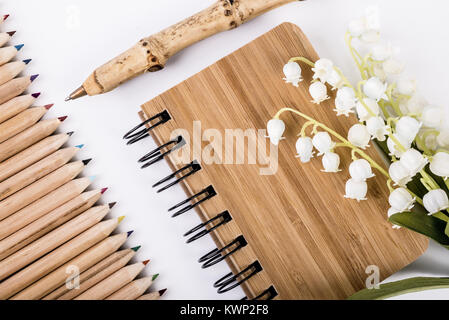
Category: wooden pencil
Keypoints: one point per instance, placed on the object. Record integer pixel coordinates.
(7, 53)
(44, 205)
(56, 258)
(49, 222)
(153, 295)
(114, 282)
(30, 136)
(5, 37)
(40, 188)
(134, 289)
(10, 70)
(37, 171)
(15, 87)
(31, 155)
(78, 265)
(16, 105)
(93, 275)
(52, 240)
(22, 121)
(3, 18)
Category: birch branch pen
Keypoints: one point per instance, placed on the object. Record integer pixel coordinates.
(151, 53)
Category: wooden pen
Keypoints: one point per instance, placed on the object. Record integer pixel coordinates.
(151, 53)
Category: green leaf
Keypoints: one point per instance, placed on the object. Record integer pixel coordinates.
(397, 288)
(420, 222)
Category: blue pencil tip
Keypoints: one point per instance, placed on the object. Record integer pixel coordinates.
(19, 46)
(26, 61)
(80, 146)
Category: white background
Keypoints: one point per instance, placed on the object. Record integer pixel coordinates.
(64, 53)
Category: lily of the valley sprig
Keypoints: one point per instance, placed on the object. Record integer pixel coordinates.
(389, 111)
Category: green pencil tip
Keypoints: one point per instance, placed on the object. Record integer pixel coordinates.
(155, 276)
(135, 249)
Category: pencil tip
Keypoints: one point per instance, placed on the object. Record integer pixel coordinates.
(161, 292)
(71, 134)
(129, 233)
(19, 46)
(33, 77)
(155, 276)
(48, 106)
(86, 162)
(103, 191)
(26, 61)
(36, 95)
(6, 16)
(11, 33)
(112, 204)
(80, 146)
(146, 262)
(62, 119)
(135, 249)
(120, 219)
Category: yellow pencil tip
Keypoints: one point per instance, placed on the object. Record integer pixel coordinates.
(120, 219)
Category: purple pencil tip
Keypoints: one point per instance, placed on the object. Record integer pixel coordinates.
(36, 95)
(130, 233)
(33, 77)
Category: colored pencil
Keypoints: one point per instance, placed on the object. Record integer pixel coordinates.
(15, 87)
(52, 240)
(3, 18)
(82, 263)
(44, 205)
(114, 282)
(7, 53)
(49, 222)
(31, 155)
(38, 170)
(16, 105)
(40, 188)
(10, 70)
(22, 121)
(56, 258)
(153, 295)
(5, 37)
(94, 274)
(134, 289)
(30, 136)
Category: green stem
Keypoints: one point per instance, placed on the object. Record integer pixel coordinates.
(348, 39)
(302, 59)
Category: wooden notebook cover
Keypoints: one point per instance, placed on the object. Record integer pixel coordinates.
(311, 242)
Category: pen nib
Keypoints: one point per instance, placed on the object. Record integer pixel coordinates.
(78, 93)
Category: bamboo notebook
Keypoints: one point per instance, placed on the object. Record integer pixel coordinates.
(303, 239)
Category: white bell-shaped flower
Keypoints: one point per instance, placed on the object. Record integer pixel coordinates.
(408, 127)
(304, 148)
(343, 109)
(360, 170)
(331, 162)
(335, 80)
(399, 174)
(322, 142)
(401, 200)
(375, 89)
(440, 164)
(415, 105)
(435, 201)
(362, 111)
(293, 73)
(413, 160)
(396, 150)
(275, 129)
(356, 190)
(392, 66)
(357, 27)
(443, 138)
(432, 116)
(391, 211)
(381, 51)
(318, 91)
(347, 96)
(406, 86)
(359, 136)
(377, 128)
(323, 69)
(367, 27)
(431, 142)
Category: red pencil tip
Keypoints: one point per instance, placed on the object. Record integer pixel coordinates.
(48, 106)
(62, 118)
(161, 292)
(11, 33)
(6, 16)
(146, 262)
(104, 190)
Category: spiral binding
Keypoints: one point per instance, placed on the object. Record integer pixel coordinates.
(225, 218)
(134, 135)
(229, 281)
